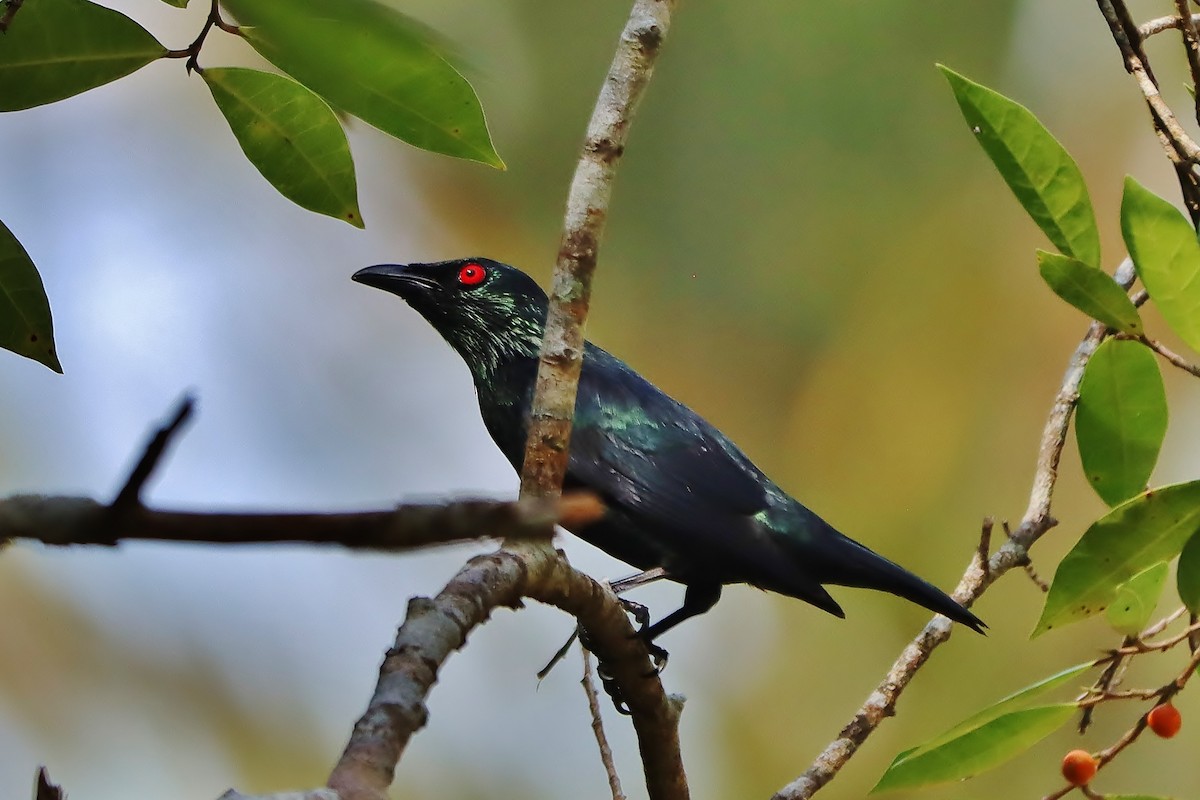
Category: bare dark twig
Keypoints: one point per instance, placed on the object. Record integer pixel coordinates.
(64, 521)
(1104, 685)
(1191, 43)
(192, 51)
(1180, 148)
(131, 492)
(985, 543)
(43, 789)
(11, 7)
(1173, 358)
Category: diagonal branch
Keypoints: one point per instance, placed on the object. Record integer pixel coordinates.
(435, 628)
(978, 576)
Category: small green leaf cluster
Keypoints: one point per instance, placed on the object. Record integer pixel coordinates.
(357, 56)
(1121, 564)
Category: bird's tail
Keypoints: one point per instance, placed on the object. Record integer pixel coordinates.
(849, 563)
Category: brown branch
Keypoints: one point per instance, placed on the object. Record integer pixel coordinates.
(606, 755)
(64, 521)
(11, 7)
(1162, 695)
(1180, 148)
(1191, 43)
(435, 628)
(975, 580)
(1171, 356)
(43, 789)
(131, 493)
(587, 210)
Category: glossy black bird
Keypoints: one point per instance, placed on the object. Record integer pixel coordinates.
(680, 494)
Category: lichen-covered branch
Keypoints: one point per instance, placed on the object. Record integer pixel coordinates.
(978, 576)
(587, 211)
(436, 628)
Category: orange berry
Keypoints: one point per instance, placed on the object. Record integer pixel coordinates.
(1164, 720)
(1078, 767)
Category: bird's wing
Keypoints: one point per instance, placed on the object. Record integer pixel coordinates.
(655, 456)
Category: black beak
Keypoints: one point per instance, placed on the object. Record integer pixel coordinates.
(395, 278)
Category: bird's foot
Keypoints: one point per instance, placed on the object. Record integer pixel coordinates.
(659, 656)
(611, 688)
(639, 612)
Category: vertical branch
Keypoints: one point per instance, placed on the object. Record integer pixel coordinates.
(587, 210)
(1191, 42)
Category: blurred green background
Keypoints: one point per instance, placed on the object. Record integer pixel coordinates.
(805, 245)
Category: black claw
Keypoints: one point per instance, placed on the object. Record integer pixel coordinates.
(659, 656)
(639, 612)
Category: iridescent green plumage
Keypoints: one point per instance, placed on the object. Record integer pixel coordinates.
(680, 494)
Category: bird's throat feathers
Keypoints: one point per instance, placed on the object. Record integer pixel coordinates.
(495, 332)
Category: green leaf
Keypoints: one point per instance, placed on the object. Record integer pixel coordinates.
(1136, 599)
(292, 136)
(1162, 244)
(25, 324)
(1121, 419)
(1187, 576)
(1006, 705)
(1035, 166)
(59, 48)
(177, 3)
(373, 62)
(1090, 290)
(977, 750)
(1152, 527)
(1135, 797)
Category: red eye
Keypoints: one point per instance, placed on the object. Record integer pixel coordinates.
(471, 274)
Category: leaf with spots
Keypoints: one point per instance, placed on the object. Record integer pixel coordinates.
(375, 63)
(1039, 170)
(59, 48)
(1134, 536)
(25, 324)
(1121, 418)
(1136, 599)
(291, 136)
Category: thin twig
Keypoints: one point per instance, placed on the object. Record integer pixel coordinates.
(130, 494)
(1160, 24)
(1180, 148)
(1191, 43)
(975, 580)
(606, 755)
(1171, 356)
(11, 7)
(587, 210)
(985, 543)
(1103, 686)
(43, 789)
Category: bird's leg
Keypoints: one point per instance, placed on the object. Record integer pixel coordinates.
(698, 598)
(622, 585)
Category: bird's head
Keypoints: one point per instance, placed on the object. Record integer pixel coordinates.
(489, 312)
